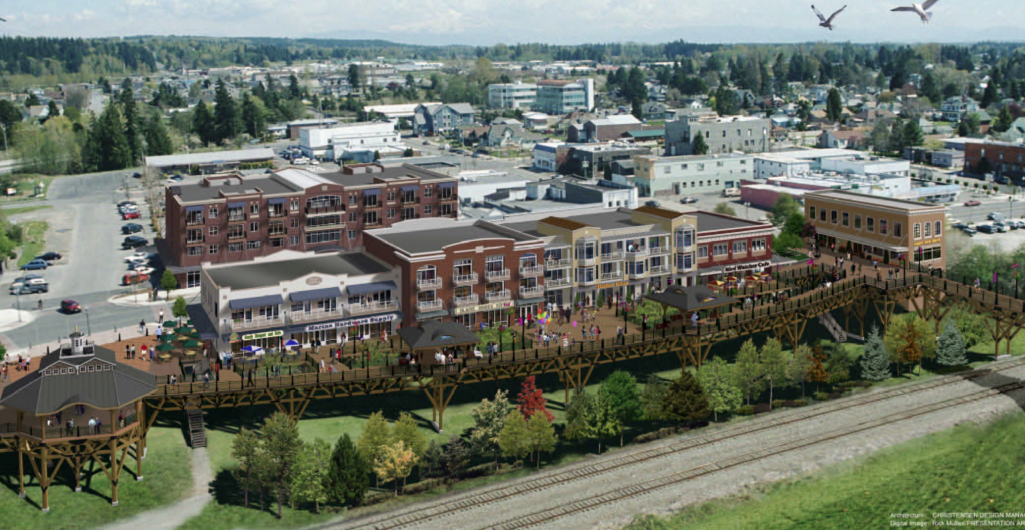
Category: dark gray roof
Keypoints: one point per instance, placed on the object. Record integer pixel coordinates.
(104, 389)
(708, 222)
(432, 334)
(419, 241)
(252, 275)
(201, 321)
(605, 220)
(691, 298)
(266, 184)
(527, 227)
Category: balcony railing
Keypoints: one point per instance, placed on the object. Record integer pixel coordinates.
(553, 264)
(236, 235)
(448, 198)
(314, 316)
(276, 231)
(581, 259)
(430, 305)
(614, 255)
(194, 240)
(372, 307)
(499, 274)
(276, 213)
(638, 274)
(411, 200)
(558, 282)
(432, 283)
(236, 217)
(637, 253)
(660, 269)
(372, 223)
(313, 210)
(609, 276)
(532, 271)
(191, 221)
(465, 279)
(498, 296)
(532, 292)
(461, 301)
(658, 251)
(256, 323)
(587, 282)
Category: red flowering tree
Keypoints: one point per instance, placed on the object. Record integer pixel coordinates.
(530, 400)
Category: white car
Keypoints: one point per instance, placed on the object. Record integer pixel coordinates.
(143, 270)
(136, 259)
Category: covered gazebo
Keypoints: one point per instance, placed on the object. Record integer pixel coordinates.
(693, 299)
(48, 413)
(432, 336)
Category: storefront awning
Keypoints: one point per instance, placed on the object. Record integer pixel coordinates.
(431, 314)
(374, 191)
(530, 301)
(315, 294)
(447, 185)
(236, 205)
(194, 208)
(258, 301)
(277, 200)
(410, 188)
(367, 288)
(861, 240)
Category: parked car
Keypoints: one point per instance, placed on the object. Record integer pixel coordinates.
(70, 306)
(688, 200)
(995, 216)
(32, 289)
(986, 229)
(177, 178)
(134, 242)
(131, 228)
(1001, 227)
(652, 203)
(30, 279)
(35, 265)
(973, 202)
(26, 278)
(49, 256)
(122, 204)
(141, 268)
(130, 215)
(137, 175)
(969, 231)
(136, 259)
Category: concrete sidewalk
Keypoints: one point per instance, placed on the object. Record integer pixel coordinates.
(101, 337)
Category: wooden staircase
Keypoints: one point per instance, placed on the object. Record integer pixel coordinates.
(197, 433)
(838, 333)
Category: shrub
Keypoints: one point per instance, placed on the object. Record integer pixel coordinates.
(821, 396)
(778, 403)
(833, 395)
(423, 485)
(476, 471)
(761, 408)
(697, 425)
(746, 410)
(659, 434)
(800, 403)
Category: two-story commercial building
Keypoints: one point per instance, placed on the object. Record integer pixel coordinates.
(301, 297)
(1002, 158)
(668, 175)
(724, 134)
(351, 141)
(231, 218)
(879, 228)
(471, 272)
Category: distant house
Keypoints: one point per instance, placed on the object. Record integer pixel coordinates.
(433, 119)
(654, 110)
(842, 139)
(502, 132)
(604, 129)
(955, 108)
(872, 116)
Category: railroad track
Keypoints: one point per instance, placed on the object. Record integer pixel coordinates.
(414, 514)
(596, 501)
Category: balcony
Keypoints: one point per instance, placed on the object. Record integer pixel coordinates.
(195, 240)
(658, 251)
(636, 275)
(611, 256)
(276, 232)
(192, 221)
(430, 305)
(611, 276)
(316, 227)
(557, 283)
(372, 307)
(428, 284)
(532, 271)
(660, 269)
(498, 274)
(256, 323)
(371, 206)
(465, 279)
(532, 292)
(637, 253)
(298, 317)
(372, 223)
(236, 235)
(588, 281)
(317, 210)
(410, 200)
(498, 296)
(553, 264)
(274, 214)
(462, 301)
(449, 198)
(236, 217)
(581, 260)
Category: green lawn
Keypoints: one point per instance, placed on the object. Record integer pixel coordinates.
(167, 479)
(961, 470)
(33, 240)
(25, 184)
(23, 209)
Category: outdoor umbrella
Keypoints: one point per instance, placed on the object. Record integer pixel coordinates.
(166, 337)
(716, 283)
(252, 349)
(184, 330)
(170, 323)
(167, 346)
(194, 334)
(731, 279)
(291, 342)
(191, 343)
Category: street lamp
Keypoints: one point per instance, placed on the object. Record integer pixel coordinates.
(746, 210)
(88, 327)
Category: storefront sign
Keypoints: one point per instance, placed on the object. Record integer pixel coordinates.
(233, 337)
(611, 285)
(373, 319)
(314, 280)
(479, 308)
(745, 266)
(264, 335)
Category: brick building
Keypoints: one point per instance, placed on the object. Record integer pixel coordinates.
(1002, 158)
(231, 218)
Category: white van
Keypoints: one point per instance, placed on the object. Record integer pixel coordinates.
(731, 192)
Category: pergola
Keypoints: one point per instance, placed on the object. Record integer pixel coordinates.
(77, 374)
(432, 336)
(691, 299)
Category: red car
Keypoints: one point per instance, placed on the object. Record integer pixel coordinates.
(70, 306)
(129, 215)
(973, 202)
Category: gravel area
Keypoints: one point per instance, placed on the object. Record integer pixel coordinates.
(716, 485)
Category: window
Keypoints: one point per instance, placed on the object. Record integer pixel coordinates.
(832, 216)
(293, 205)
(235, 247)
(254, 209)
(254, 227)
(294, 222)
(757, 245)
(898, 229)
(427, 191)
(327, 236)
(427, 209)
(323, 201)
(353, 200)
(928, 230)
(196, 251)
(811, 212)
(370, 218)
(857, 222)
(739, 246)
(213, 212)
(323, 220)
(192, 279)
(936, 231)
(391, 195)
(213, 230)
(252, 245)
(351, 235)
(720, 249)
(277, 242)
(212, 249)
(883, 226)
(703, 251)
(353, 217)
(846, 219)
(391, 213)
(293, 241)
(870, 223)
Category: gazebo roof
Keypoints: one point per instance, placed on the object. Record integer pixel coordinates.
(93, 378)
(436, 335)
(691, 298)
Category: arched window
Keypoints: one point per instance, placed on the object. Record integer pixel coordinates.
(324, 201)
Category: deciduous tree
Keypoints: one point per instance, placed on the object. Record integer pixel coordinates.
(513, 438)
(393, 463)
(245, 449)
(798, 366)
(601, 420)
(488, 421)
(774, 364)
(310, 477)
(621, 390)
(817, 369)
(716, 378)
(282, 444)
(749, 371)
(725, 209)
(541, 436)
(531, 400)
(908, 339)
(374, 438)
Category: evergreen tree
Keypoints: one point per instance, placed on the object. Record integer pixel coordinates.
(950, 347)
(700, 147)
(990, 95)
(720, 389)
(913, 136)
(621, 390)
(488, 421)
(541, 436)
(158, 142)
(126, 98)
(107, 148)
(226, 119)
(253, 121)
(874, 362)
(348, 475)
(457, 455)
(651, 397)
(294, 92)
(930, 88)
(374, 438)
(880, 137)
(896, 141)
(432, 464)
(576, 415)
(834, 105)
(52, 110)
(684, 399)
(203, 124)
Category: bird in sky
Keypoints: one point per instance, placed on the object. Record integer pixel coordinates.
(827, 22)
(921, 9)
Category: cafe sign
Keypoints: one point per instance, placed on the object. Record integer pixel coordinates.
(264, 335)
(479, 308)
(745, 266)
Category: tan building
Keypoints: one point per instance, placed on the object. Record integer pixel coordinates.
(878, 227)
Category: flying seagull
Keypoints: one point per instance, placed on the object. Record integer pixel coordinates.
(921, 9)
(827, 22)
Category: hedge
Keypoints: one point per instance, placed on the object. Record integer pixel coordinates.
(746, 410)
(423, 485)
(821, 396)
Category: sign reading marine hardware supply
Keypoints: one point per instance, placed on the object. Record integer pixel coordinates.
(264, 335)
(746, 266)
(479, 308)
(374, 319)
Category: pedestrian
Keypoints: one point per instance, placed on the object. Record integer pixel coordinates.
(977, 284)
(161, 317)
(598, 329)
(142, 326)
(128, 351)
(92, 425)
(694, 319)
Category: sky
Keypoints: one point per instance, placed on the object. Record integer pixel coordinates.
(487, 22)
